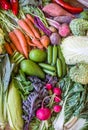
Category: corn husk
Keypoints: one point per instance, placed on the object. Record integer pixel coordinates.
(14, 108)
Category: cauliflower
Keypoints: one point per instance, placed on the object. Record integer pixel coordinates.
(79, 73)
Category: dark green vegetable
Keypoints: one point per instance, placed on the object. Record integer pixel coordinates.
(77, 99)
(59, 67)
(60, 55)
(54, 57)
(49, 72)
(47, 66)
(49, 54)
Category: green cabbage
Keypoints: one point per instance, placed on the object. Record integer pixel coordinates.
(75, 49)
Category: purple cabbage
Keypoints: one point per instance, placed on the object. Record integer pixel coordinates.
(41, 26)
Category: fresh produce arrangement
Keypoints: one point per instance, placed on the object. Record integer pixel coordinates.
(43, 65)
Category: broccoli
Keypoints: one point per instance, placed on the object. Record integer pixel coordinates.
(79, 73)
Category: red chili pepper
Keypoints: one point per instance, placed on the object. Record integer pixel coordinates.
(68, 7)
(14, 6)
(4, 4)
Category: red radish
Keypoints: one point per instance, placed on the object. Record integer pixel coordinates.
(57, 99)
(57, 108)
(48, 86)
(57, 91)
(43, 113)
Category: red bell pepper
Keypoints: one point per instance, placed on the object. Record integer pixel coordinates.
(68, 7)
(4, 4)
(14, 6)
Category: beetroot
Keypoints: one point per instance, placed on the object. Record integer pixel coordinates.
(43, 113)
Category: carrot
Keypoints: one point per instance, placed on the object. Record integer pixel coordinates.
(30, 43)
(30, 17)
(45, 41)
(37, 43)
(15, 41)
(8, 48)
(31, 26)
(13, 46)
(22, 40)
(26, 28)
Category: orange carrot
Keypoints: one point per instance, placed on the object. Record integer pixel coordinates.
(26, 28)
(13, 46)
(37, 43)
(8, 48)
(31, 26)
(30, 17)
(30, 43)
(45, 41)
(22, 40)
(15, 41)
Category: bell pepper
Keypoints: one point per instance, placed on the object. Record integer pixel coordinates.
(68, 7)
(4, 4)
(14, 6)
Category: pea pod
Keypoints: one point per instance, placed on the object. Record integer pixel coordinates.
(49, 54)
(47, 66)
(54, 58)
(49, 72)
(59, 67)
(60, 55)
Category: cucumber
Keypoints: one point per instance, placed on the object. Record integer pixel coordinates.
(49, 54)
(54, 57)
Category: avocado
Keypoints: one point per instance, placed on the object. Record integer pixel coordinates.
(31, 68)
(37, 55)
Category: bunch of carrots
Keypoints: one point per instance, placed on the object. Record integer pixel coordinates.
(26, 37)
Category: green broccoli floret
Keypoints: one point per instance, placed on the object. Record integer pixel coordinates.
(79, 73)
(79, 26)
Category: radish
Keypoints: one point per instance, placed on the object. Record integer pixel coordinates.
(57, 108)
(43, 113)
(57, 91)
(57, 99)
(48, 86)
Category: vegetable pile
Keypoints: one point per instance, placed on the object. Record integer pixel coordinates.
(43, 65)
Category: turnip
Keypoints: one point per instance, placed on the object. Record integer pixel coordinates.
(43, 113)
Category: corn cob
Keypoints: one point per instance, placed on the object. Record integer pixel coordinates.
(79, 27)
